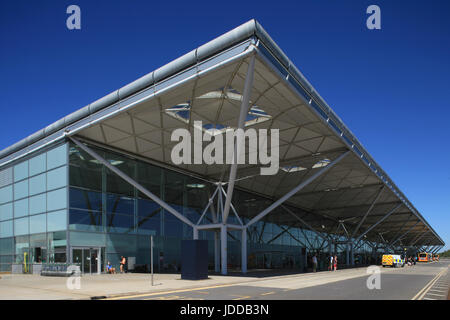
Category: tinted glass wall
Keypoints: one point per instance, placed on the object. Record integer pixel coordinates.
(33, 208)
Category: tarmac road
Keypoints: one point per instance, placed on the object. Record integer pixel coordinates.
(422, 282)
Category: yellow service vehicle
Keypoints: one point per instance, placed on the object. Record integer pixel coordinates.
(392, 260)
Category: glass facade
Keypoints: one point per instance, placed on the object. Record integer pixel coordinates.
(33, 210)
(62, 205)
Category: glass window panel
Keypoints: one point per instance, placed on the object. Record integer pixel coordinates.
(150, 177)
(7, 245)
(81, 176)
(21, 208)
(174, 186)
(148, 208)
(57, 157)
(119, 223)
(21, 226)
(37, 184)
(38, 204)
(6, 229)
(58, 240)
(173, 228)
(21, 171)
(37, 164)
(21, 190)
(85, 220)
(57, 178)
(85, 199)
(87, 239)
(119, 204)
(115, 184)
(6, 211)
(6, 194)
(150, 224)
(38, 223)
(57, 220)
(57, 199)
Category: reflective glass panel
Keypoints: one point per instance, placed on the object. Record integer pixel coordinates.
(21, 171)
(38, 223)
(57, 199)
(21, 189)
(6, 211)
(6, 194)
(57, 157)
(37, 184)
(38, 204)
(21, 226)
(57, 178)
(6, 229)
(21, 208)
(57, 220)
(37, 164)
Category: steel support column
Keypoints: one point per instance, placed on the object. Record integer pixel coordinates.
(368, 211)
(244, 251)
(223, 248)
(216, 251)
(404, 234)
(245, 105)
(296, 189)
(379, 221)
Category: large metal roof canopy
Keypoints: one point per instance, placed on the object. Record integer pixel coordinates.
(208, 85)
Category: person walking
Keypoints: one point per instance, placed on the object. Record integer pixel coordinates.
(330, 267)
(335, 262)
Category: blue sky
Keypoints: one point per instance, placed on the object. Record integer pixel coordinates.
(389, 86)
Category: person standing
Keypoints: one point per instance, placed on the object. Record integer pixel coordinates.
(335, 262)
(330, 267)
(122, 264)
(314, 262)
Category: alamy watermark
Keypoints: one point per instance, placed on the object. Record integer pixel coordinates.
(374, 20)
(374, 280)
(74, 280)
(73, 21)
(227, 146)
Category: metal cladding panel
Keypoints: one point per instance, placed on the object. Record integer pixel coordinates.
(226, 40)
(101, 103)
(175, 66)
(137, 85)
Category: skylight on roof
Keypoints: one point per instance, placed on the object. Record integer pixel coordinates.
(321, 163)
(182, 111)
(291, 169)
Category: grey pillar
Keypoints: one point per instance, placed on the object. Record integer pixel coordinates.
(195, 232)
(223, 248)
(352, 255)
(347, 254)
(216, 251)
(244, 251)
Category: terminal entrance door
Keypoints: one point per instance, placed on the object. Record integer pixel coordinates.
(89, 259)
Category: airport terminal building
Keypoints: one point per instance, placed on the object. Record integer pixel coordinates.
(98, 183)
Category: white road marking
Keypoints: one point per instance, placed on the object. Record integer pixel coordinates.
(434, 294)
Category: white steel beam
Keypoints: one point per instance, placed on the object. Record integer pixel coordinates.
(245, 105)
(379, 221)
(368, 211)
(277, 203)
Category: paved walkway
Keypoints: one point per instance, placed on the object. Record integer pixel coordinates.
(110, 286)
